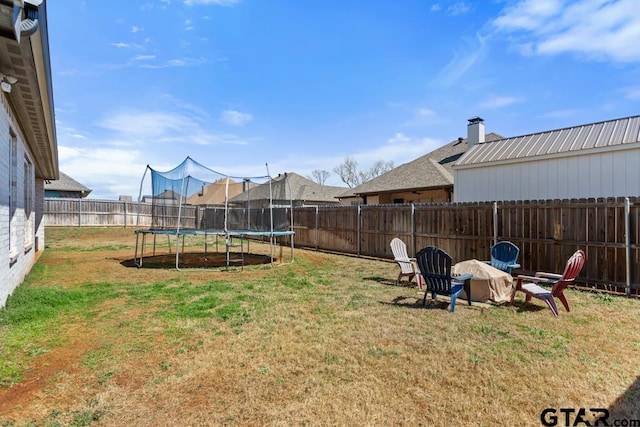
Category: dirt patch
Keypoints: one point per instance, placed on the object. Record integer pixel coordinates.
(200, 260)
(18, 400)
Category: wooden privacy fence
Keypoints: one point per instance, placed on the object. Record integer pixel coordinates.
(547, 232)
(113, 213)
(95, 213)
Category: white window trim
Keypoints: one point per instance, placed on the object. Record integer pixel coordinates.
(13, 257)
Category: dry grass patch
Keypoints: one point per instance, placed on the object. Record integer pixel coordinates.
(327, 340)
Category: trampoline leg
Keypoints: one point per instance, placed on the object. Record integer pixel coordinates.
(135, 255)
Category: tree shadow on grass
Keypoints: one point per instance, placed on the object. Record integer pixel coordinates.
(626, 405)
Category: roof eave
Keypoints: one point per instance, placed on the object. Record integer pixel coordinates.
(31, 98)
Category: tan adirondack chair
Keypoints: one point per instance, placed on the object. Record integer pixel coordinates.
(408, 266)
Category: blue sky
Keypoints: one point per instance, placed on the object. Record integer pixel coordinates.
(302, 84)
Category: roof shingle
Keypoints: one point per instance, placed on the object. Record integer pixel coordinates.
(291, 186)
(66, 183)
(432, 170)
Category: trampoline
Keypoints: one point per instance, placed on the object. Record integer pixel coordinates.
(194, 200)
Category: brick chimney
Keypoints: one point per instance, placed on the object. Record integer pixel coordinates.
(475, 131)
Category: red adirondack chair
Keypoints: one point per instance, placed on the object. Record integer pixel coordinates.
(530, 285)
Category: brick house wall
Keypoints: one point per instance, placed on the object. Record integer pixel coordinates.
(20, 235)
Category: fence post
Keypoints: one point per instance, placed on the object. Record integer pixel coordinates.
(125, 213)
(495, 222)
(317, 232)
(79, 212)
(627, 243)
(413, 228)
(358, 227)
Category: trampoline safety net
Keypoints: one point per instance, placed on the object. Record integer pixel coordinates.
(194, 199)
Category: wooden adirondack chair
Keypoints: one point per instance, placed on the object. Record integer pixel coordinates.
(435, 268)
(558, 281)
(504, 256)
(407, 265)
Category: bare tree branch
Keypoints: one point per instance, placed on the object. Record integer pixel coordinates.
(350, 175)
(319, 176)
(347, 171)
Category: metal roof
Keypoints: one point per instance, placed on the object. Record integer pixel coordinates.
(609, 133)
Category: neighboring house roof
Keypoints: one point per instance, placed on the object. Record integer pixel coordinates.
(216, 192)
(606, 135)
(291, 186)
(166, 195)
(24, 55)
(66, 184)
(433, 170)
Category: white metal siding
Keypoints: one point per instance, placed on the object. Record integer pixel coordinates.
(604, 174)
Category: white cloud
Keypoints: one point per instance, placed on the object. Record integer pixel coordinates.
(123, 45)
(563, 114)
(188, 25)
(143, 58)
(593, 29)
(135, 29)
(424, 112)
(110, 172)
(528, 15)
(498, 102)
(399, 138)
(458, 8)
(148, 124)
(235, 118)
(461, 62)
(146, 127)
(420, 117)
(632, 92)
(178, 62)
(399, 149)
(211, 2)
(115, 160)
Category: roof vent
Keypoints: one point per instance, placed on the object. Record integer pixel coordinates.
(29, 25)
(25, 25)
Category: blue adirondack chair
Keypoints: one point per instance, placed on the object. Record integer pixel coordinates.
(435, 268)
(504, 256)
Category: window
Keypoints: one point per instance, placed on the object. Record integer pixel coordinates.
(13, 198)
(28, 203)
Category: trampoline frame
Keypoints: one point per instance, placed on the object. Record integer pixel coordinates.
(226, 233)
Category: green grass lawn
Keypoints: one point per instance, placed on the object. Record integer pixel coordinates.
(326, 340)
